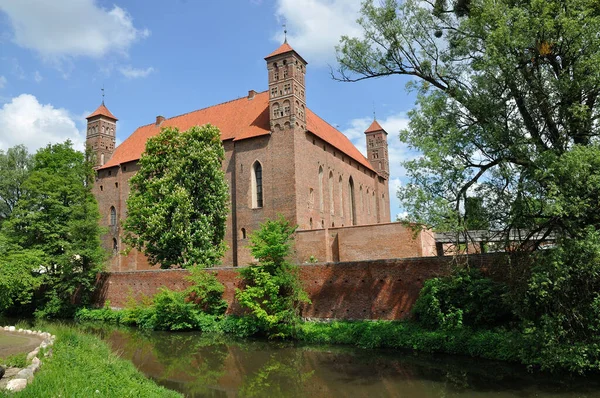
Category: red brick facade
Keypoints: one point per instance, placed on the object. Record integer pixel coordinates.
(311, 173)
(379, 289)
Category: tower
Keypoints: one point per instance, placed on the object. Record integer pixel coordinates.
(287, 97)
(377, 149)
(101, 134)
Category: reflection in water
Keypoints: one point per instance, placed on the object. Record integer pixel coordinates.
(216, 366)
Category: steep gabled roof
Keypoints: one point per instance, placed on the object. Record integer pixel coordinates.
(238, 120)
(375, 127)
(102, 111)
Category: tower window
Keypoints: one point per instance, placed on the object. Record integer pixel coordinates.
(243, 233)
(257, 187)
(273, 92)
(276, 75)
(285, 73)
(113, 216)
(287, 88)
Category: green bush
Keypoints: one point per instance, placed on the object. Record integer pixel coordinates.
(272, 292)
(206, 292)
(465, 298)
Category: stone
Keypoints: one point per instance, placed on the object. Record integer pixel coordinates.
(16, 385)
(32, 354)
(33, 368)
(20, 330)
(44, 344)
(2, 370)
(36, 361)
(48, 353)
(25, 374)
(11, 328)
(11, 372)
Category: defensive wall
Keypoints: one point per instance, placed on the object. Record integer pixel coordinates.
(373, 289)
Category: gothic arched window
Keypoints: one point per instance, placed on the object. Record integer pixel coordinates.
(113, 216)
(257, 186)
(341, 197)
(321, 204)
(352, 203)
(331, 206)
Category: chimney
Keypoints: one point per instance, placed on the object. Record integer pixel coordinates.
(159, 120)
(251, 94)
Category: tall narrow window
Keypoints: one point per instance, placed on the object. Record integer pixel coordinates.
(331, 206)
(321, 205)
(362, 199)
(341, 197)
(368, 202)
(257, 188)
(113, 216)
(352, 202)
(115, 246)
(101, 159)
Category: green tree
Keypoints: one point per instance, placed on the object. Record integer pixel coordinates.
(272, 292)
(15, 166)
(56, 218)
(507, 96)
(178, 203)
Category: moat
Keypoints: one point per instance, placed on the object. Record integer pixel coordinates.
(216, 366)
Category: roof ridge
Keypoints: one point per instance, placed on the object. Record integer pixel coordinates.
(340, 149)
(208, 107)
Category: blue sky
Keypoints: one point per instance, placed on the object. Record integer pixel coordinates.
(167, 58)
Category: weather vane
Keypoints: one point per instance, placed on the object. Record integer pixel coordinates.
(374, 116)
(102, 95)
(284, 32)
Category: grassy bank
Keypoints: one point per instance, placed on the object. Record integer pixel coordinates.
(404, 335)
(82, 365)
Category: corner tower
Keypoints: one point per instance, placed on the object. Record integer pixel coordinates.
(287, 95)
(377, 149)
(101, 134)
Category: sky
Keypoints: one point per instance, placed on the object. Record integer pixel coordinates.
(171, 57)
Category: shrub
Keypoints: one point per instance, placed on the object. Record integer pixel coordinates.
(464, 298)
(272, 293)
(206, 293)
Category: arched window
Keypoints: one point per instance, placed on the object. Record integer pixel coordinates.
(321, 205)
(115, 246)
(368, 202)
(257, 187)
(331, 206)
(341, 197)
(362, 199)
(352, 207)
(113, 216)
(276, 111)
(373, 202)
(286, 108)
(101, 159)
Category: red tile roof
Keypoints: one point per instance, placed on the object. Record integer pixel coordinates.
(374, 127)
(102, 111)
(284, 48)
(238, 119)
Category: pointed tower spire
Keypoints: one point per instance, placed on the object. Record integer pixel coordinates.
(101, 133)
(377, 148)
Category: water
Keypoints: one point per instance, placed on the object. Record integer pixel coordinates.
(216, 366)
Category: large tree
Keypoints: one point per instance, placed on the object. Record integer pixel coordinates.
(178, 203)
(15, 166)
(507, 107)
(54, 229)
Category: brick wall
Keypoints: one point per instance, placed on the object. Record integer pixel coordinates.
(378, 289)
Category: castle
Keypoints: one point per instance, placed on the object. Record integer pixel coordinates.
(280, 158)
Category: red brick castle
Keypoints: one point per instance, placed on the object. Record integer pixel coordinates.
(280, 158)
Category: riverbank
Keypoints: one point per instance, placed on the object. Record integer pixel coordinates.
(82, 365)
(498, 344)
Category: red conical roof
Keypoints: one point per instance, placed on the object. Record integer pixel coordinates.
(102, 111)
(374, 127)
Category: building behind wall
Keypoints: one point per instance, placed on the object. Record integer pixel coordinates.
(280, 158)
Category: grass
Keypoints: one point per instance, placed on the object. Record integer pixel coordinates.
(83, 365)
(14, 361)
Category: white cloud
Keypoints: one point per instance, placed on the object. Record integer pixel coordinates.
(58, 29)
(37, 76)
(24, 120)
(135, 73)
(316, 26)
(3, 82)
